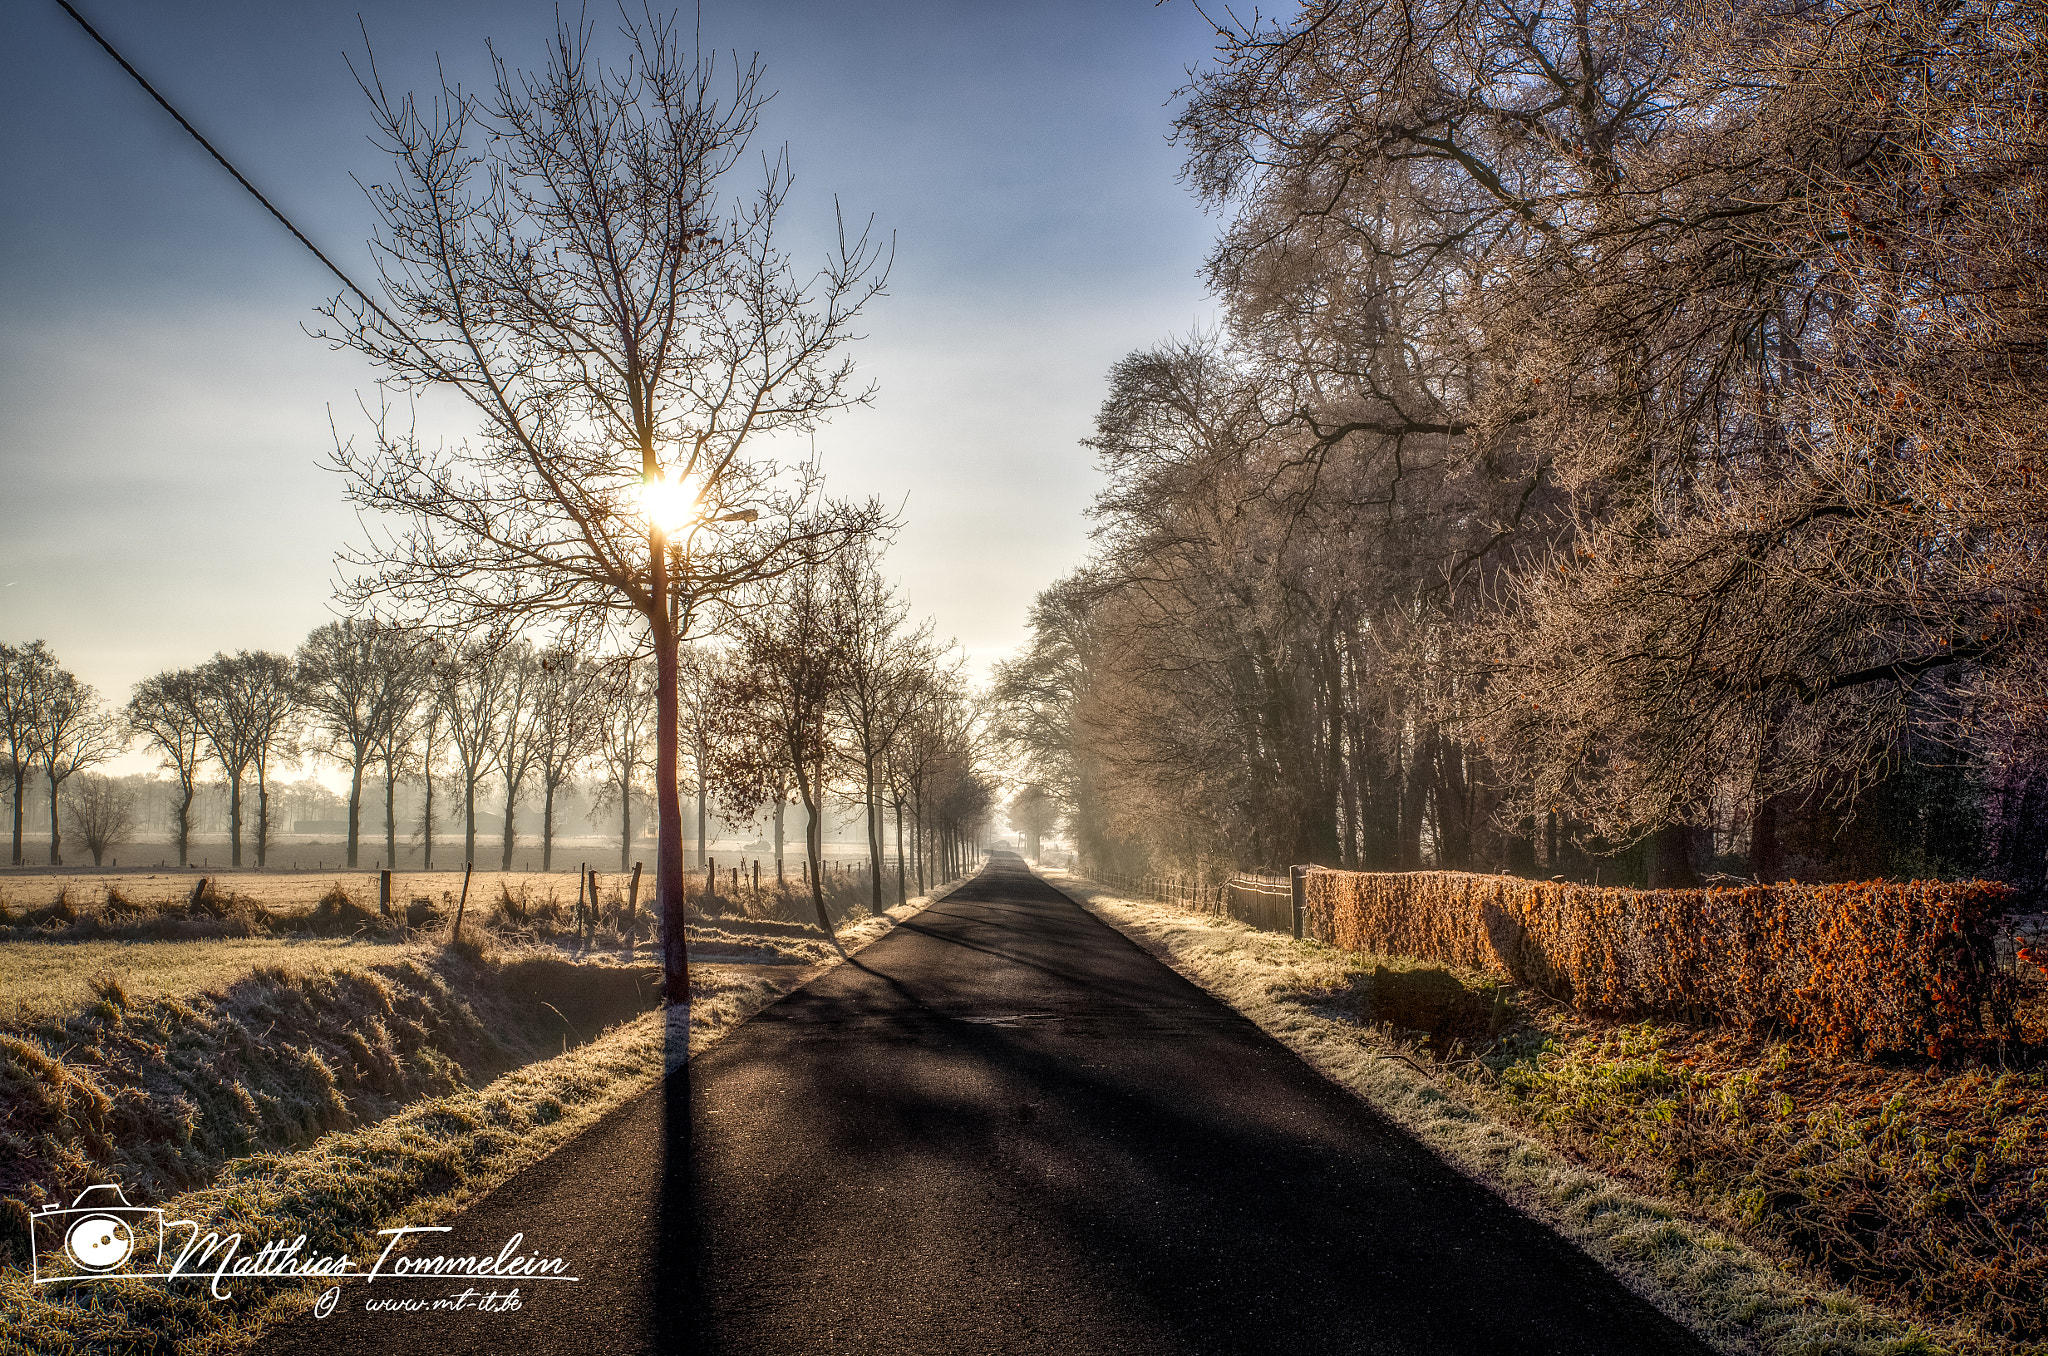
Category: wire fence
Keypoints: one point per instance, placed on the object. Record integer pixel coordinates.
(1265, 902)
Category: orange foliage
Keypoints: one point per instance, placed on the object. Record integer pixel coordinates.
(1861, 968)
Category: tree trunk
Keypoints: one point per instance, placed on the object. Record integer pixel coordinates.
(355, 811)
(390, 817)
(262, 813)
(814, 847)
(184, 824)
(902, 867)
(919, 843)
(626, 821)
(781, 809)
(547, 830)
(235, 818)
(511, 799)
(469, 815)
(1415, 799)
(56, 835)
(874, 814)
(427, 820)
(668, 806)
(701, 815)
(20, 787)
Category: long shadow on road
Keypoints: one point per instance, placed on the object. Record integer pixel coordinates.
(1006, 1129)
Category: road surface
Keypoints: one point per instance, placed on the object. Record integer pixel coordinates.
(1004, 1128)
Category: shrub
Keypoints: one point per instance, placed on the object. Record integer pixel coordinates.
(1862, 968)
(60, 912)
(339, 915)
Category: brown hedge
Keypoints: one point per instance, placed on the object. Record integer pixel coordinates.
(1861, 968)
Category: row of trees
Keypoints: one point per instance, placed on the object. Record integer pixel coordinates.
(1620, 455)
(53, 727)
(883, 718)
(824, 683)
(392, 701)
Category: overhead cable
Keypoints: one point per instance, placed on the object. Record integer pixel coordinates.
(254, 192)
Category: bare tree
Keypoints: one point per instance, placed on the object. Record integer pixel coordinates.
(559, 254)
(625, 733)
(405, 725)
(469, 684)
(568, 730)
(789, 667)
(1033, 813)
(28, 674)
(266, 695)
(74, 731)
(247, 704)
(701, 676)
(1623, 439)
(522, 684)
(101, 811)
(354, 674)
(429, 740)
(165, 710)
(882, 660)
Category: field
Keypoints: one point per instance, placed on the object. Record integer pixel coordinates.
(284, 892)
(297, 852)
(83, 904)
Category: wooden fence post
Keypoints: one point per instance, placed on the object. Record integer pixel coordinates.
(711, 875)
(1297, 886)
(384, 893)
(593, 906)
(463, 902)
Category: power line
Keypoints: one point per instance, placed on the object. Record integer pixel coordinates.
(270, 207)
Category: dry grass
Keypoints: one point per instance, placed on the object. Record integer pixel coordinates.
(417, 1165)
(278, 891)
(1917, 1184)
(1350, 1016)
(297, 891)
(39, 980)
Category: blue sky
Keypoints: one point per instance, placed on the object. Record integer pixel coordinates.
(163, 415)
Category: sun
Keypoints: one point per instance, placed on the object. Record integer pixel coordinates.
(668, 504)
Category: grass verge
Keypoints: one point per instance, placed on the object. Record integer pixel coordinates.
(416, 1166)
(1740, 1294)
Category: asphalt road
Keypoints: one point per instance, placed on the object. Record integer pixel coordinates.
(1006, 1129)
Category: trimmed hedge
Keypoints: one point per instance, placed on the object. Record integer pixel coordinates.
(1862, 968)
